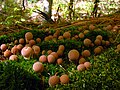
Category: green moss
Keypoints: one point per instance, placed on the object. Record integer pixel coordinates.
(13, 75)
(103, 75)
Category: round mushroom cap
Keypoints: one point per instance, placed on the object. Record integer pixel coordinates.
(7, 53)
(28, 36)
(87, 65)
(64, 79)
(32, 42)
(97, 42)
(61, 47)
(53, 80)
(43, 58)
(59, 61)
(55, 54)
(87, 42)
(38, 40)
(86, 53)
(36, 49)
(66, 34)
(19, 47)
(97, 50)
(81, 67)
(21, 41)
(38, 67)
(3, 47)
(118, 46)
(73, 54)
(51, 58)
(81, 35)
(26, 51)
(14, 50)
(13, 57)
(99, 37)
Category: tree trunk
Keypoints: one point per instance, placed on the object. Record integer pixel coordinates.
(71, 9)
(48, 7)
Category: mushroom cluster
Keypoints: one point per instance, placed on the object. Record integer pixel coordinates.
(52, 56)
(24, 46)
(54, 80)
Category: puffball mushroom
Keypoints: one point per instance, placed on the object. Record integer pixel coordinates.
(7, 53)
(55, 54)
(66, 35)
(43, 58)
(38, 67)
(53, 80)
(16, 42)
(97, 50)
(28, 36)
(81, 35)
(107, 43)
(109, 27)
(118, 46)
(82, 60)
(3, 47)
(13, 57)
(43, 52)
(81, 67)
(99, 37)
(36, 49)
(86, 31)
(32, 42)
(64, 79)
(59, 52)
(60, 37)
(87, 42)
(19, 47)
(97, 42)
(87, 65)
(61, 47)
(86, 53)
(21, 41)
(26, 52)
(73, 54)
(14, 50)
(49, 52)
(59, 61)
(38, 40)
(51, 58)
(91, 27)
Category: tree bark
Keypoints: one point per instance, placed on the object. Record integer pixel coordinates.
(71, 9)
(48, 7)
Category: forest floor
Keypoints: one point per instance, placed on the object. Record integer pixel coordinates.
(113, 19)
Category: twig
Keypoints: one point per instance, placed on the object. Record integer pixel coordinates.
(24, 27)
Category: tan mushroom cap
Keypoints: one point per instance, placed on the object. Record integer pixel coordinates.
(51, 58)
(73, 54)
(28, 36)
(7, 53)
(66, 34)
(13, 57)
(87, 42)
(26, 51)
(14, 50)
(86, 53)
(38, 67)
(36, 49)
(64, 79)
(43, 58)
(87, 65)
(81, 67)
(53, 80)
(3, 47)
